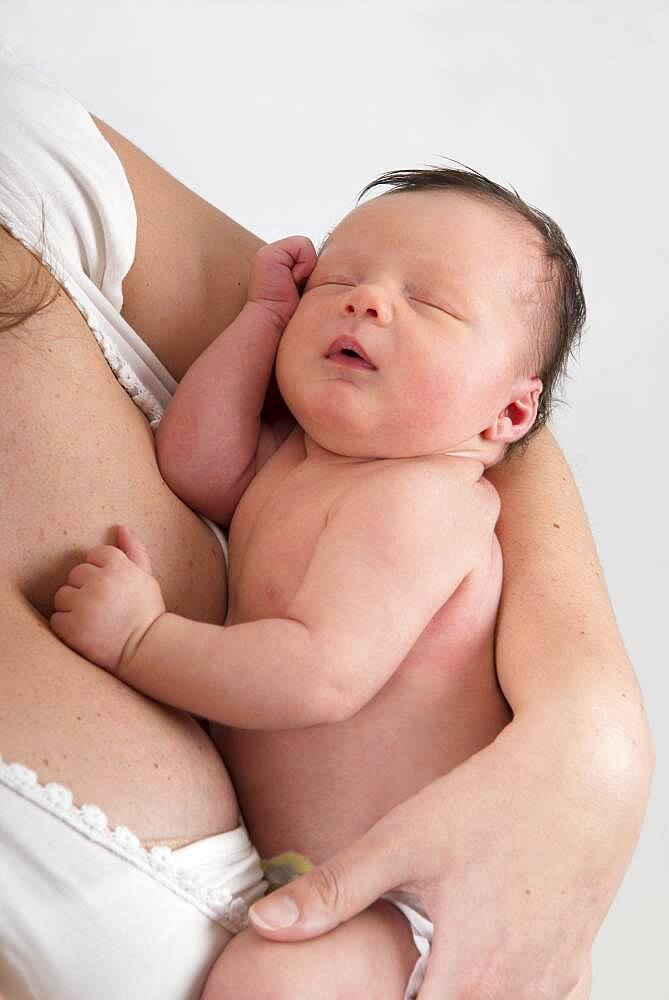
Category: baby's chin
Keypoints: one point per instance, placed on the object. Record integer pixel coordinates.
(337, 425)
(339, 442)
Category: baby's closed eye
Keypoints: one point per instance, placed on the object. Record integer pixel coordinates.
(425, 302)
(429, 300)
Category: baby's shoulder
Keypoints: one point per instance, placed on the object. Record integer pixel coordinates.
(440, 476)
(437, 492)
(463, 478)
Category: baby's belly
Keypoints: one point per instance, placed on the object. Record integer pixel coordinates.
(314, 790)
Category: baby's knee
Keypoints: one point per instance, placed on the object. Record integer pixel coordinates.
(251, 968)
(370, 956)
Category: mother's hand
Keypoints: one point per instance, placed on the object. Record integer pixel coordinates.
(501, 855)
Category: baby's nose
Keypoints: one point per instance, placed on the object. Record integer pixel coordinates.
(370, 301)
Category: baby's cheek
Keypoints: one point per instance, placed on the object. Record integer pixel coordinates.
(429, 389)
(439, 401)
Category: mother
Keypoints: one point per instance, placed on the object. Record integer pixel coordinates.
(517, 853)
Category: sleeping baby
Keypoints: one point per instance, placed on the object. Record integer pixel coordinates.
(356, 662)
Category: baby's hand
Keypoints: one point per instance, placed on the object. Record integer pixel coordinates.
(278, 274)
(109, 602)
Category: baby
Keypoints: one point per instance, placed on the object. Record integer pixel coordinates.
(356, 661)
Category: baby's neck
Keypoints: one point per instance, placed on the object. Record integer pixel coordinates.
(315, 452)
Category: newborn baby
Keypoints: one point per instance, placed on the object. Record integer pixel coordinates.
(356, 661)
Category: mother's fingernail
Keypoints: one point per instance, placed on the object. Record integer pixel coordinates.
(275, 912)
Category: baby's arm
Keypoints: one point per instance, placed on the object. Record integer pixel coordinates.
(211, 437)
(393, 551)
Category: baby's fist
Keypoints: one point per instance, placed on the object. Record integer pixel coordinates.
(278, 273)
(109, 603)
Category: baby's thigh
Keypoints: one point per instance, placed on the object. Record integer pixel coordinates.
(370, 956)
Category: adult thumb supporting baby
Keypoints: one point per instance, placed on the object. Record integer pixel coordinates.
(323, 898)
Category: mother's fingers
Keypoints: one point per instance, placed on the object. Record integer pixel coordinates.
(323, 898)
(444, 979)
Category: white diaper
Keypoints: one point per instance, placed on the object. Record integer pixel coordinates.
(421, 928)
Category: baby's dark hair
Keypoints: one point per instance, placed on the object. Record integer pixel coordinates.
(560, 311)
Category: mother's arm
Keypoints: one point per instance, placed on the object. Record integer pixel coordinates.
(518, 852)
(192, 262)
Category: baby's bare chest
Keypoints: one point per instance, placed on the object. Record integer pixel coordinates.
(275, 531)
(270, 555)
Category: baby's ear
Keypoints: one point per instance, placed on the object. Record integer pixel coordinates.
(515, 420)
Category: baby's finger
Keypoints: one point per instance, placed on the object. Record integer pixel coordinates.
(81, 574)
(65, 598)
(306, 262)
(104, 555)
(59, 622)
(299, 248)
(298, 253)
(133, 547)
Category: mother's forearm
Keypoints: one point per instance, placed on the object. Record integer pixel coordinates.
(588, 782)
(558, 644)
(579, 718)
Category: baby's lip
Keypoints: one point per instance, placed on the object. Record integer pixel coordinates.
(348, 347)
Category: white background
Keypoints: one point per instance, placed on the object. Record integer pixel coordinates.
(280, 112)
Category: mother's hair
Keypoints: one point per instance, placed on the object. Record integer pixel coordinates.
(26, 284)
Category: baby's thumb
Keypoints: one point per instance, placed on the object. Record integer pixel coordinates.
(323, 898)
(128, 542)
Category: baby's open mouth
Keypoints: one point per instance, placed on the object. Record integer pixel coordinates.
(348, 352)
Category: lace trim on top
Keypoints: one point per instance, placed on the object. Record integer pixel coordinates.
(127, 378)
(218, 904)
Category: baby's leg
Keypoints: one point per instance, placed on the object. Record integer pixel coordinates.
(370, 956)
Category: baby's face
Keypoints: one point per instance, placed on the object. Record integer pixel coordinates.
(411, 332)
